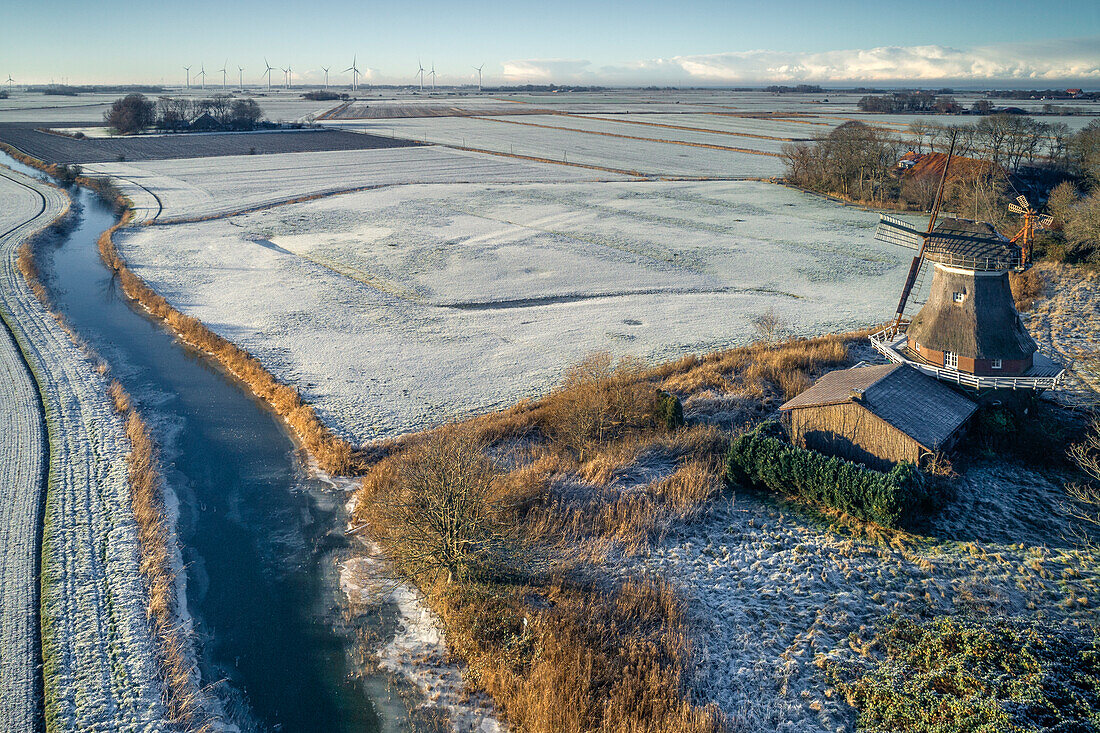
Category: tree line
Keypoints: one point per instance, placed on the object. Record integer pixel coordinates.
(136, 112)
(998, 156)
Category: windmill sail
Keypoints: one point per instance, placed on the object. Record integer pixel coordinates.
(895, 231)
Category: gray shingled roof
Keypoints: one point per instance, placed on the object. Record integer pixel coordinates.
(973, 244)
(921, 407)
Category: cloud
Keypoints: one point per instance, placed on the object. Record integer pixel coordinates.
(545, 71)
(1035, 61)
(1042, 61)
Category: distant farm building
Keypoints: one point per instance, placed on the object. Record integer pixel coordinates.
(878, 415)
(205, 123)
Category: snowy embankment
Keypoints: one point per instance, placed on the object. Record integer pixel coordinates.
(395, 309)
(100, 662)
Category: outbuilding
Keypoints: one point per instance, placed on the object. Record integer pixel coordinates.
(878, 415)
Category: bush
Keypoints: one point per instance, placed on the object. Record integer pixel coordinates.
(972, 675)
(765, 458)
(670, 411)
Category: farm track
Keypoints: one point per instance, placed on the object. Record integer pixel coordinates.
(100, 671)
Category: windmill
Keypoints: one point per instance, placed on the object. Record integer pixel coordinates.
(1032, 220)
(222, 69)
(420, 73)
(432, 75)
(478, 70)
(895, 231)
(240, 77)
(325, 69)
(355, 73)
(968, 331)
(188, 70)
(202, 73)
(268, 71)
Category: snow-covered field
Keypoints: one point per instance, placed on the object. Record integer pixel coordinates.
(394, 309)
(649, 158)
(100, 665)
(190, 188)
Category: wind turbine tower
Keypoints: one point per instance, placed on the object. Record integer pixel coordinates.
(432, 75)
(188, 70)
(11, 83)
(420, 72)
(222, 69)
(478, 70)
(325, 69)
(240, 77)
(202, 73)
(268, 71)
(354, 74)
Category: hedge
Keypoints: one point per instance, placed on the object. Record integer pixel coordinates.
(765, 458)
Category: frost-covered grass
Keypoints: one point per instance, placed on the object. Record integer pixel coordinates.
(100, 663)
(194, 188)
(649, 158)
(394, 309)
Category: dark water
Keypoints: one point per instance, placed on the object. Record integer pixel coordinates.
(259, 537)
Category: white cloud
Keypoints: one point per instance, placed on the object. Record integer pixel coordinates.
(1075, 59)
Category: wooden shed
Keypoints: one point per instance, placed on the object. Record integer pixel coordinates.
(878, 415)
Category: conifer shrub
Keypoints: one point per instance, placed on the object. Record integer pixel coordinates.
(670, 411)
(764, 458)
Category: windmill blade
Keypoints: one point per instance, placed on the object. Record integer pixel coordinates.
(1045, 221)
(1022, 200)
(1016, 209)
(895, 231)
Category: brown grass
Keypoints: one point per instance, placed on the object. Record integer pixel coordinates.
(1027, 287)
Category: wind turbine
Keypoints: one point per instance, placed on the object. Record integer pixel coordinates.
(420, 72)
(222, 69)
(240, 77)
(286, 77)
(354, 74)
(188, 70)
(432, 75)
(478, 70)
(268, 71)
(10, 82)
(325, 69)
(202, 73)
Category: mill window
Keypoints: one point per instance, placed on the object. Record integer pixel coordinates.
(959, 297)
(950, 360)
(996, 364)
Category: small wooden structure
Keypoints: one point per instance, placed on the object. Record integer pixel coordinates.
(878, 415)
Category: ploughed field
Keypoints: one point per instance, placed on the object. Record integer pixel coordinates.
(53, 148)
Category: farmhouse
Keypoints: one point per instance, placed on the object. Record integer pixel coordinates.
(878, 415)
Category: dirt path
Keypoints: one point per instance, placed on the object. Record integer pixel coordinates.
(100, 671)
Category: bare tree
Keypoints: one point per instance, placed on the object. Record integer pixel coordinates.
(1084, 497)
(769, 325)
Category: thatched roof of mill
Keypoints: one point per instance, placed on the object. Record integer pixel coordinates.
(923, 408)
(985, 325)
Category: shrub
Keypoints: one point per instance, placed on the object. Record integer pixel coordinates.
(670, 411)
(599, 401)
(764, 458)
(1027, 287)
(972, 675)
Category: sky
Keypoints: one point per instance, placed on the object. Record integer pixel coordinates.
(687, 43)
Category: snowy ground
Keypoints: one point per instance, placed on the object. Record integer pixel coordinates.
(1066, 323)
(397, 308)
(101, 672)
(773, 590)
(164, 190)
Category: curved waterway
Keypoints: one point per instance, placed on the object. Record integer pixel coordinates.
(260, 538)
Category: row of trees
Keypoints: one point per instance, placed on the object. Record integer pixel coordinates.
(999, 155)
(899, 102)
(135, 112)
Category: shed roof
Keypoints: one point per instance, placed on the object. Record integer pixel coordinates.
(923, 408)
